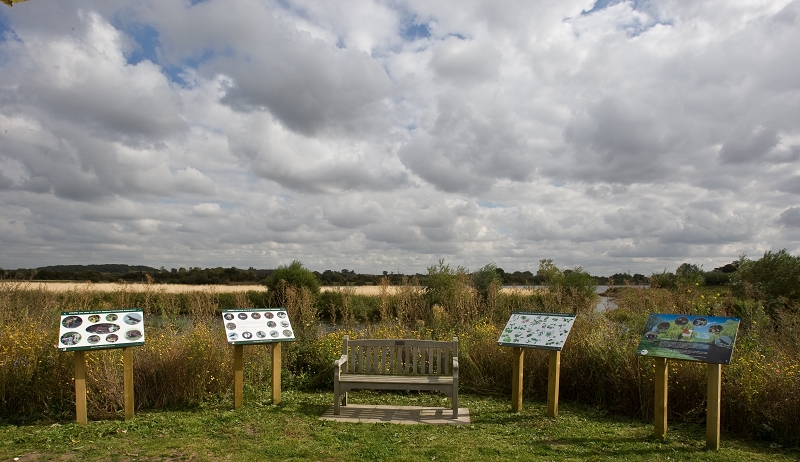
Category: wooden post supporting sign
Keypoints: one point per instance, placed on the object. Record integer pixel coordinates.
(238, 375)
(516, 379)
(80, 386)
(276, 373)
(553, 376)
(660, 427)
(714, 404)
(127, 371)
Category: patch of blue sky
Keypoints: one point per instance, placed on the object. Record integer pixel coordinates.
(147, 46)
(5, 27)
(489, 205)
(413, 30)
(633, 29)
(601, 4)
(147, 41)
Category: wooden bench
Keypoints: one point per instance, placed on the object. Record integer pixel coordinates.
(389, 364)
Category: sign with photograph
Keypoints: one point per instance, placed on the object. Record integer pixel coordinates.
(94, 330)
(260, 325)
(546, 331)
(707, 339)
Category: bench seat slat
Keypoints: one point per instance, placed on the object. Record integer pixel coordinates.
(409, 379)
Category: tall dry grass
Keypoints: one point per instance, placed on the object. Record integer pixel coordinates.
(187, 361)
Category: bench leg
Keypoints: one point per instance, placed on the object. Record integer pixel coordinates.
(336, 397)
(455, 405)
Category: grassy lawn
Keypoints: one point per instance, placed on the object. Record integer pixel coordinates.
(292, 431)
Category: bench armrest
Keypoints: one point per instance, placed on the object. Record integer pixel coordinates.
(455, 366)
(337, 365)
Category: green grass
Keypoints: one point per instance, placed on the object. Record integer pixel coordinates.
(292, 431)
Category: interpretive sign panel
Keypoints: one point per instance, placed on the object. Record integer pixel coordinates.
(707, 339)
(259, 325)
(94, 330)
(546, 331)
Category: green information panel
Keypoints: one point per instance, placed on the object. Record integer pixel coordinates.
(93, 330)
(260, 325)
(707, 339)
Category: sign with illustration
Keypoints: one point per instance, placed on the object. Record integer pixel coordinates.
(93, 330)
(707, 339)
(546, 331)
(260, 325)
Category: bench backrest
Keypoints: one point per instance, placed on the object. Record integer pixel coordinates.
(399, 357)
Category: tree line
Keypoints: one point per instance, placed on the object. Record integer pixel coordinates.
(685, 274)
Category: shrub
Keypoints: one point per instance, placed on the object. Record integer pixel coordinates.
(774, 279)
(292, 275)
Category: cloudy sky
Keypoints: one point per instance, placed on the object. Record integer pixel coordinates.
(626, 136)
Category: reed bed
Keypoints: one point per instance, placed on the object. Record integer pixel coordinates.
(187, 362)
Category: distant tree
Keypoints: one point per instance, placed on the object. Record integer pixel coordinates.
(717, 278)
(294, 274)
(486, 280)
(689, 275)
(576, 284)
(440, 283)
(774, 278)
(663, 280)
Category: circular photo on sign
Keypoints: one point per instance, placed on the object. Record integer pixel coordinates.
(132, 319)
(643, 352)
(261, 334)
(256, 315)
(723, 341)
(71, 338)
(230, 326)
(233, 336)
(663, 325)
(247, 335)
(228, 316)
(269, 315)
(651, 336)
(71, 322)
(111, 317)
(281, 314)
(94, 318)
(112, 338)
(133, 334)
(715, 329)
(93, 339)
(102, 328)
(272, 324)
(284, 323)
(287, 333)
(699, 322)
(242, 316)
(682, 321)
(274, 333)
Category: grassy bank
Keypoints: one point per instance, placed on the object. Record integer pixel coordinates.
(292, 431)
(187, 363)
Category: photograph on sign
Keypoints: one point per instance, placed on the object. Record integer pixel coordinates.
(537, 330)
(92, 330)
(260, 325)
(707, 339)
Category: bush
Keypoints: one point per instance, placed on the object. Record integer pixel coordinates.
(292, 275)
(773, 279)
